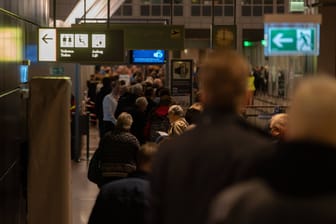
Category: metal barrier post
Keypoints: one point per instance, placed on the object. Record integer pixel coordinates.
(88, 137)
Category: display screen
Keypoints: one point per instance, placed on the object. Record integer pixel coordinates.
(148, 57)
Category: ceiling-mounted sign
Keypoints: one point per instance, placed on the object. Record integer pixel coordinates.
(94, 46)
(47, 44)
(295, 39)
(86, 46)
(292, 34)
(146, 36)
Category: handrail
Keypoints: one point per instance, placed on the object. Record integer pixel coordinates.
(8, 92)
(2, 177)
(18, 17)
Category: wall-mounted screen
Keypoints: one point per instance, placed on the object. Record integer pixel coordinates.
(147, 56)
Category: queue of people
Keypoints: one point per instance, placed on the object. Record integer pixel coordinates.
(223, 169)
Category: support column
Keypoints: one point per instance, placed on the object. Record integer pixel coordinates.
(327, 58)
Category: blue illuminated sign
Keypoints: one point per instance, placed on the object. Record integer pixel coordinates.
(148, 57)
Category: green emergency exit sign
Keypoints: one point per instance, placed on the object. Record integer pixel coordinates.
(296, 6)
(292, 40)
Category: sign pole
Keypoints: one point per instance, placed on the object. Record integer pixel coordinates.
(77, 148)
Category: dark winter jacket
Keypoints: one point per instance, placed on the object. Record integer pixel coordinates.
(118, 155)
(189, 170)
(123, 201)
(299, 188)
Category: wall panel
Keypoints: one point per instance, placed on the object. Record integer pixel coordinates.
(15, 37)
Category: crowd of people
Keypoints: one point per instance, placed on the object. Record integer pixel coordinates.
(213, 167)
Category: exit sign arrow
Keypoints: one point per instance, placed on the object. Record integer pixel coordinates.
(279, 40)
(45, 38)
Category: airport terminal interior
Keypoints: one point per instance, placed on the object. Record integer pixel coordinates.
(54, 55)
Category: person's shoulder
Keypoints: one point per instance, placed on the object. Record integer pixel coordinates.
(181, 122)
(129, 137)
(125, 184)
(246, 198)
(253, 130)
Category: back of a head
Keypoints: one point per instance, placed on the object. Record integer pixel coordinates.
(313, 109)
(137, 89)
(124, 122)
(141, 102)
(278, 125)
(107, 82)
(146, 153)
(149, 92)
(157, 83)
(176, 110)
(223, 80)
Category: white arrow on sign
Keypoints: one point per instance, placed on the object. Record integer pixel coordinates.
(278, 40)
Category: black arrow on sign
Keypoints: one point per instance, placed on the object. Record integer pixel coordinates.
(45, 38)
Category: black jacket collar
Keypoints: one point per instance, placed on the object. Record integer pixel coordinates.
(304, 168)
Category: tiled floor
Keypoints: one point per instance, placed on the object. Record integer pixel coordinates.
(84, 192)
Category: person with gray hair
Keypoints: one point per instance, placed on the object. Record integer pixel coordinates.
(192, 168)
(178, 123)
(300, 187)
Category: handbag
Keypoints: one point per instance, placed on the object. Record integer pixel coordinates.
(94, 171)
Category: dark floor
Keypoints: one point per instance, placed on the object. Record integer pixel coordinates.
(84, 192)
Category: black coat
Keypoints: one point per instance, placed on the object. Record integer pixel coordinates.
(302, 169)
(122, 202)
(138, 125)
(191, 169)
(300, 188)
(253, 202)
(118, 152)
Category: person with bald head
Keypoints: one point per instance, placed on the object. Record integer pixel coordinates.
(223, 149)
(278, 126)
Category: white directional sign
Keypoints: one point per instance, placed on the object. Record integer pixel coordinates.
(81, 45)
(67, 40)
(47, 44)
(81, 40)
(98, 40)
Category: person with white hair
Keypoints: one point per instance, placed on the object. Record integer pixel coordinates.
(178, 123)
(300, 187)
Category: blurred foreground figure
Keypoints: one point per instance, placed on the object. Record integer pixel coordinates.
(300, 187)
(191, 169)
